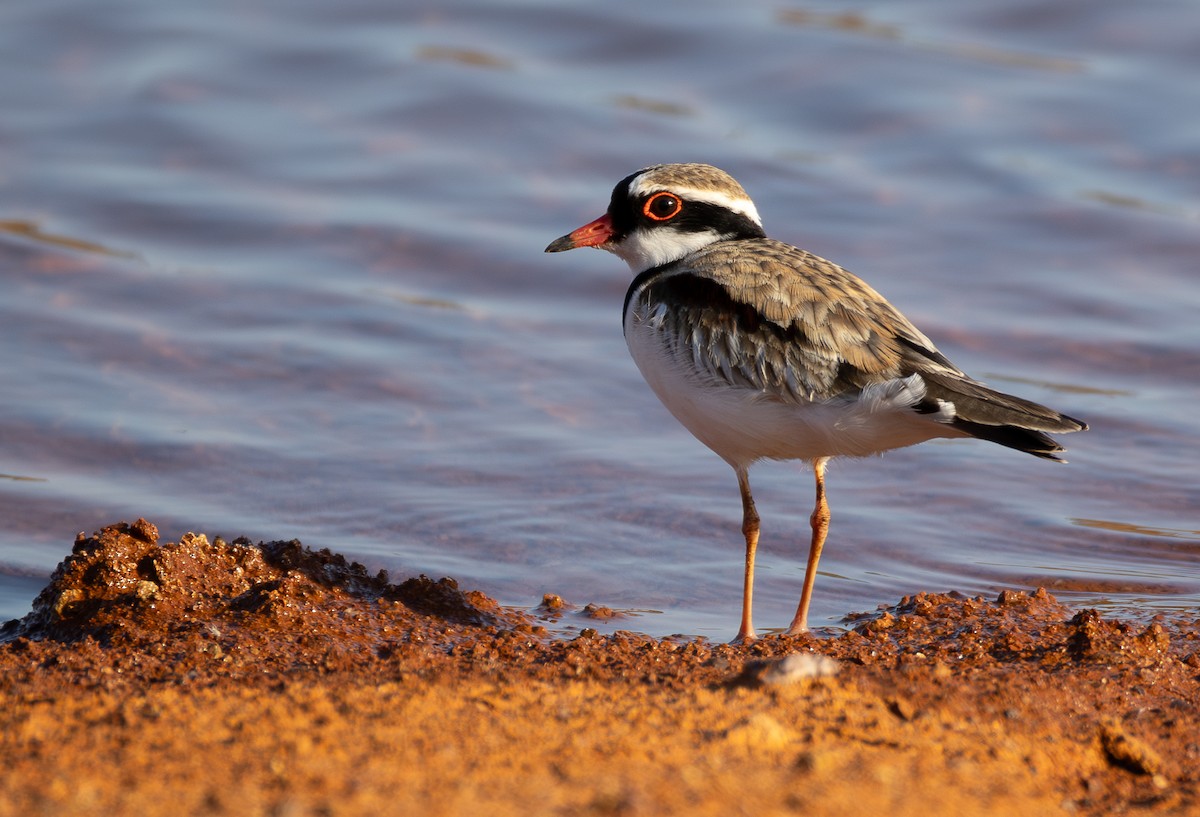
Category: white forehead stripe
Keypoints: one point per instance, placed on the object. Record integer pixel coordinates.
(643, 186)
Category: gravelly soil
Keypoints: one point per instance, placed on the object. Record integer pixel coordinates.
(236, 678)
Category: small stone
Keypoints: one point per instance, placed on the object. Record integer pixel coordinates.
(1128, 752)
(787, 670)
(1154, 639)
(1010, 597)
(194, 540)
(599, 612)
(65, 599)
(760, 731)
(902, 708)
(886, 621)
(146, 531)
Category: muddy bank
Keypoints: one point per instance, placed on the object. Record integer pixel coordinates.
(240, 678)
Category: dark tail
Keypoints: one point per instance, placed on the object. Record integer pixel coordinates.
(1001, 418)
(1022, 439)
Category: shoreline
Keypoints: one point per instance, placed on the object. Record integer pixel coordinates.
(241, 678)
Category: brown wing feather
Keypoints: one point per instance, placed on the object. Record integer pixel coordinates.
(766, 315)
(847, 328)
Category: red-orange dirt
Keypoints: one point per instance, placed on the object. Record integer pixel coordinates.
(265, 679)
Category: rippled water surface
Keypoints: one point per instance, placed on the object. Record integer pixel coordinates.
(275, 269)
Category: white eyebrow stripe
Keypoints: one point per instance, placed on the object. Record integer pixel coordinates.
(737, 204)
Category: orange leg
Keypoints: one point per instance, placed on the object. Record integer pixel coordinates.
(820, 526)
(750, 531)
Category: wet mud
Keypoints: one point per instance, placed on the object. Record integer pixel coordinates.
(213, 677)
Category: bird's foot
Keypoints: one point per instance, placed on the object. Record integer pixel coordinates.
(797, 629)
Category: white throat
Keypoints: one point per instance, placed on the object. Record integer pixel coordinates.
(644, 249)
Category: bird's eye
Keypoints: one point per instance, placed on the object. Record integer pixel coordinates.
(662, 206)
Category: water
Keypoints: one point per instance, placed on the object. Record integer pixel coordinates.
(275, 269)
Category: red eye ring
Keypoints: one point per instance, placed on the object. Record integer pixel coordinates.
(662, 206)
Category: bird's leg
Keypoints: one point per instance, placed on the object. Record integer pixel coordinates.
(820, 526)
(750, 531)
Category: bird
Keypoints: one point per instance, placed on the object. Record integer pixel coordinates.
(765, 351)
